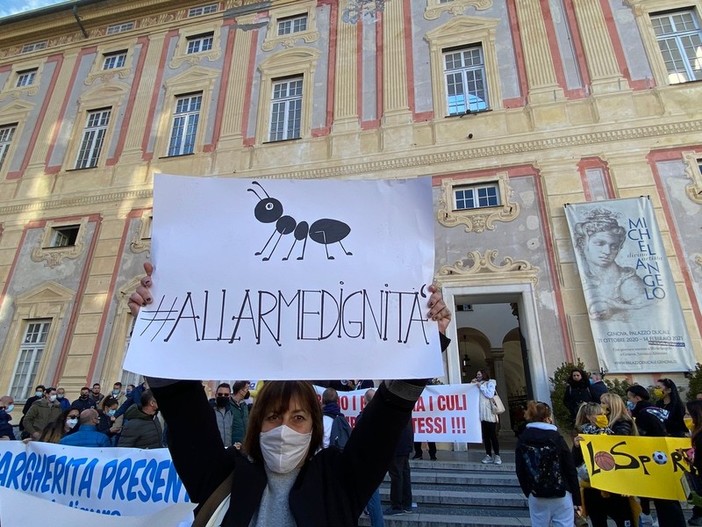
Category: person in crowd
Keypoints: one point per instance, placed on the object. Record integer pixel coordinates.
(401, 474)
(131, 398)
(650, 421)
(128, 390)
(669, 399)
(577, 391)
(84, 400)
(597, 386)
(601, 505)
(42, 412)
(694, 408)
(108, 424)
(591, 419)
(431, 446)
(117, 392)
(88, 434)
(373, 507)
(142, 429)
(330, 412)
(7, 404)
(283, 478)
(555, 494)
(222, 408)
(38, 394)
(62, 399)
(488, 419)
(240, 411)
(66, 423)
(95, 394)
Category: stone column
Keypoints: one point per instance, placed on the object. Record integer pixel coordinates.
(543, 84)
(395, 100)
(346, 74)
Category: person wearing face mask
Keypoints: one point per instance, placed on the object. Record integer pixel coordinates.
(651, 421)
(488, 419)
(7, 404)
(117, 393)
(66, 423)
(108, 424)
(38, 394)
(84, 401)
(668, 398)
(280, 476)
(42, 412)
(87, 435)
(240, 411)
(142, 428)
(222, 408)
(61, 398)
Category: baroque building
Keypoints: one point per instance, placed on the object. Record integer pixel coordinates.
(514, 108)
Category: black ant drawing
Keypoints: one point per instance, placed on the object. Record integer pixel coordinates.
(325, 231)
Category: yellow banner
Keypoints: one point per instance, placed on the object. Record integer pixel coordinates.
(651, 467)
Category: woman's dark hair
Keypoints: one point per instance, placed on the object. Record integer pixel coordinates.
(674, 394)
(583, 382)
(486, 373)
(275, 396)
(694, 408)
(109, 401)
(53, 432)
(639, 391)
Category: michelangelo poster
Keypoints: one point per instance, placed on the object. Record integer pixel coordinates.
(635, 315)
(289, 279)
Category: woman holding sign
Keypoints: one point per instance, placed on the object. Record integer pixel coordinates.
(488, 418)
(281, 477)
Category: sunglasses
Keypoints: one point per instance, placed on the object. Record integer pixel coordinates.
(72, 417)
(222, 395)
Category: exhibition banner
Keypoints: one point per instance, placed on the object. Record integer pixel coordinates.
(289, 279)
(650, 467)
(635, 315)
(444, 412)
(99, 481)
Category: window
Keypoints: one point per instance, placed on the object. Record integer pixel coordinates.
(6, 134)
(64, 236)
(464, 71)
(292, 24)
(93, 137)
(114, 60)
(286, 109)
(120, 28)
(185, 121)
(476, 196)
(34, 46)
(25, 78)
(199, 43)
(202, 10)
(31, 351)
(680, 42)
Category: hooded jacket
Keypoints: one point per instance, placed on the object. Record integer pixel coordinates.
(40, 415)
(141, 431)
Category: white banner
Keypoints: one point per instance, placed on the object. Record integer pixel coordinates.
(444, 412)
(100, 482)
(635, 315)
(289, 279)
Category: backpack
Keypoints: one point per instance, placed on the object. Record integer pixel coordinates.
(543, 468)
(340, 432)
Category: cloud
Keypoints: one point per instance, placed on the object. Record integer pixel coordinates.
(12, 7)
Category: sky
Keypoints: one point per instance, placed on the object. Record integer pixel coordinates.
(11, 7)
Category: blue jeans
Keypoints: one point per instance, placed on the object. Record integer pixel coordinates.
(375, 511)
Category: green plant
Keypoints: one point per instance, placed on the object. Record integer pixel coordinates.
(695, 383)
(617, 386)
(559, 382)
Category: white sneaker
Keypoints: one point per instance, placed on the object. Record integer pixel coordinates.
(497, 460)
(645, 520)
(486, 460)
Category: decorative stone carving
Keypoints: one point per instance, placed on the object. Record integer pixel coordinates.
(357, 10)
(475, 265)
(455, 7)
(693, 170)
(53, 256)
(310, 34)
(142, 238)
(479, 219)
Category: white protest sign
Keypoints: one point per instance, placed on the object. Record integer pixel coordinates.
(289, 279)
(18, 508)
(106, 481)
(444, 412)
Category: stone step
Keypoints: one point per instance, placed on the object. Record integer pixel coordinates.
(461, 498)
(424, 519)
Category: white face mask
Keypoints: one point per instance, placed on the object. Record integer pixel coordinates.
(52, 398)
(71, 422)
(10, 408)
(283, 448)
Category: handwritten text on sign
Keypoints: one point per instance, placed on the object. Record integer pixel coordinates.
(259, 279)
(445, 412)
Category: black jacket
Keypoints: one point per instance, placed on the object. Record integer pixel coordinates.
(647, 423)
(142, 430)
(538, 436)
(576, 394)
(675, 425)
(333, 486)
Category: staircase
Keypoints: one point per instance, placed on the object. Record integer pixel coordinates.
(459, 490)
